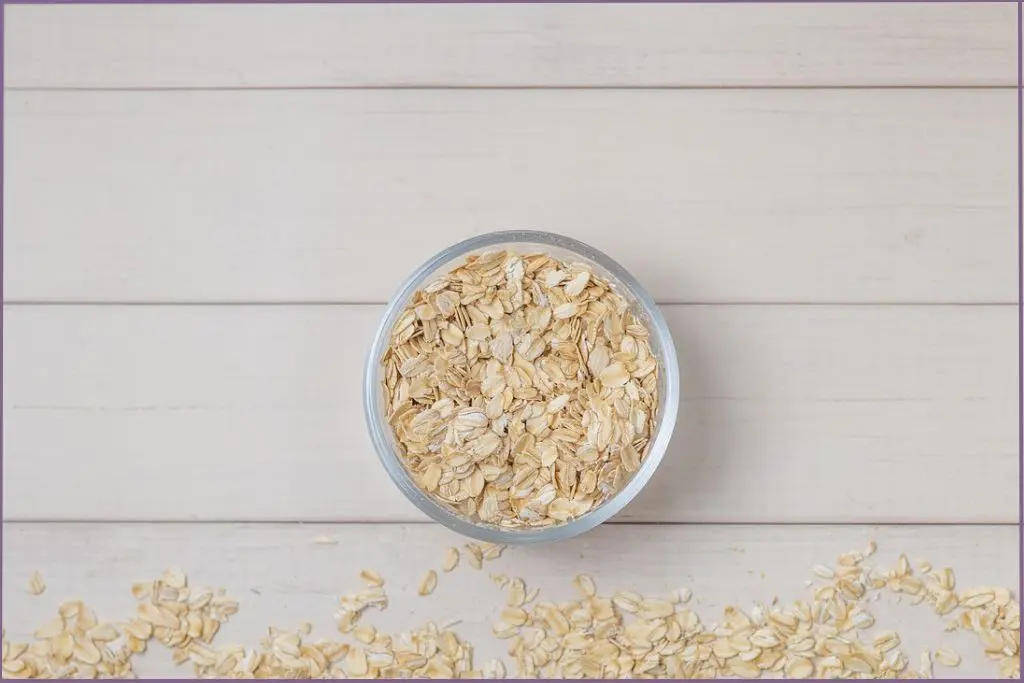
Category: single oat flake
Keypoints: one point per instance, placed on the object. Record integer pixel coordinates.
(451, 559)
(947, 657)
(36, 585)
(428, 583)
(521, 390)
(325, 540)
(371, 578)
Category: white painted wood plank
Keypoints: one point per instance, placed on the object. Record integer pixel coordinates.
(511, 45)
(789, 414)
(710, 196)
(282, 578)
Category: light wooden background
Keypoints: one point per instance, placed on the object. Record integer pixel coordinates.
(206, 208)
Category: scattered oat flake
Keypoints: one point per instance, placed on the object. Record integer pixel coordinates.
(823, 571)
(347, 620)
(141, 589)
(355, 662)
(977, 597)
(516, 593)
(36, 585)
(325, 540)
(428, 583)
(925, 670)
(585, 585)
(371, 578)
(174, 578)
(364, 634)
(494, 669)
(799, 667)
(476, 556)
(492, 551)
(451, 559)
(624, 635)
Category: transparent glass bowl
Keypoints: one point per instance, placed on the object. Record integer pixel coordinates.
(558, 246)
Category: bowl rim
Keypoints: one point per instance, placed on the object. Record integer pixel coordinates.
(391, 460)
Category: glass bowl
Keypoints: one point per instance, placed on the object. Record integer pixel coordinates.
(641, 304)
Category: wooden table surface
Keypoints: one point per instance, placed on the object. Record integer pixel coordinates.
(206, 209)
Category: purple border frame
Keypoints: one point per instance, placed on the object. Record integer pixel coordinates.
(500, 2)
(1020, 173)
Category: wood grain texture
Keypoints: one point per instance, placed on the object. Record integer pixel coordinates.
(710, 196)
(789, 414)
(511, 45)
(282, 578)
(304, 154)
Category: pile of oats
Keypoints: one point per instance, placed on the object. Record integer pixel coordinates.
(75, 644)
(623, 635)
(521, 389)
(630, 635)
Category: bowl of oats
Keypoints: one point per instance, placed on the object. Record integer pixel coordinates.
(521, 387)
